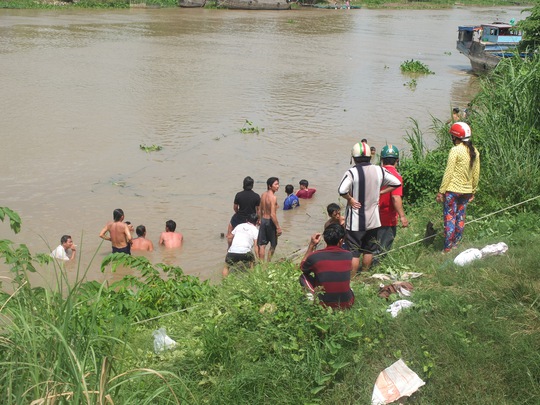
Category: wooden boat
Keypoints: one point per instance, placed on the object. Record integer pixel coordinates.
(255, 4)
(485, 45)
(191, 3)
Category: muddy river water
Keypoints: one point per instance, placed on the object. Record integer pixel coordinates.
(82, 90)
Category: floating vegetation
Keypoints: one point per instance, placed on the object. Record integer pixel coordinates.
(151, 148)
(448, 53)
(249, 128)
(411, 84)
(415, 66)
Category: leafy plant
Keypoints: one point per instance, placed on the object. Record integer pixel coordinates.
(151, 148)
(415, 66)
(249, 128)
(14, 218)
(411, 84)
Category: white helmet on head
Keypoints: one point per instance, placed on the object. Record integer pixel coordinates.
(361, 149)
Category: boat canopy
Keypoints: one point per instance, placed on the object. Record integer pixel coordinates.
(500, 33)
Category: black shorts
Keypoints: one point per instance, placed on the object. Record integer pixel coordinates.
(361, 242)
(267, 233)
(237, 219)
(232, 258)
(126, 250)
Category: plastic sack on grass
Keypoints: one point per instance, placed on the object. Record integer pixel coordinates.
(162, 341)
(495, 249)
(467, 256)
(398, 306)
(395, 382)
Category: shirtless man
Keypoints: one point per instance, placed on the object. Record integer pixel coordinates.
(141, 243)
(269, 229)
(119, 233)
(170, 238)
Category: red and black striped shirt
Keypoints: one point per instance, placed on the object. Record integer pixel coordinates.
(331, 268)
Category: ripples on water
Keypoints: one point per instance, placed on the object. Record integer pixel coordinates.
(88, 87)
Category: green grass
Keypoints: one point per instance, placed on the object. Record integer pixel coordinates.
(473, 335)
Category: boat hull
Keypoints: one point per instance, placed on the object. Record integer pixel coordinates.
(255, 4)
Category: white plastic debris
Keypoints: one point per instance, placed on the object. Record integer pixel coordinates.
(470, 255)
(467, 256)
(397, 306)
(411, 274)
(395, 382)
(495, 249)
(162, 341)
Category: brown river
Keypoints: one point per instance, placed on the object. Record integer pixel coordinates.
(83, 89)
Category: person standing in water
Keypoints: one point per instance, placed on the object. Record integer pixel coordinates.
(118, 233)
(270, 229)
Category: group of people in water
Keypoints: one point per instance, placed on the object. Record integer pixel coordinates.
(354, 241)
(119, 233)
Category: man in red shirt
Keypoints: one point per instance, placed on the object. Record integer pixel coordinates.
(390, 204)
(305, 191)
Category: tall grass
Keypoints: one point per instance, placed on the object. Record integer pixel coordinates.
(506, 127)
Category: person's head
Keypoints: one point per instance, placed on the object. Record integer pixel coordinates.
(272, 183)
(141, 231)
(364, 140)
(361, 152)
(389, 155)
(303, 184)
(130, 227)
(66, 241)
(455, 110)
(333, 234)
(253, 218)
(289, 189)
(333, 210)
(373, 151)
(248, 183)
(460, 131)
(118, 215)
(170, 226)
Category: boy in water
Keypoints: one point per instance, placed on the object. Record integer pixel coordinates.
(141, 243)
(334, 212)
(305, 191)
(292, 200)
(119, 233)
(170, 238)
(242, 239)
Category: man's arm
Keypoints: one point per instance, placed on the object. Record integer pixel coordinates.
(235, 207)
(161, 239)
(103, 233)
(127, 234)
(398, 206)
(313, 243)
(73, 252)
(273, 214)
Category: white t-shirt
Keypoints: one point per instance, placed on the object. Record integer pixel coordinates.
(245, 236)
(59, 253)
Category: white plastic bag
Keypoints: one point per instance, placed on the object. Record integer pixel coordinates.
(467, 256)
(395, 382)
(398, 306)
(496, 249)
(162, 341)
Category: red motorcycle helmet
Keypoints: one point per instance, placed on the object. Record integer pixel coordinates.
(461, 130)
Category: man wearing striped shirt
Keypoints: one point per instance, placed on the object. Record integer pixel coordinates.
(327, 272)
(361, 187)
